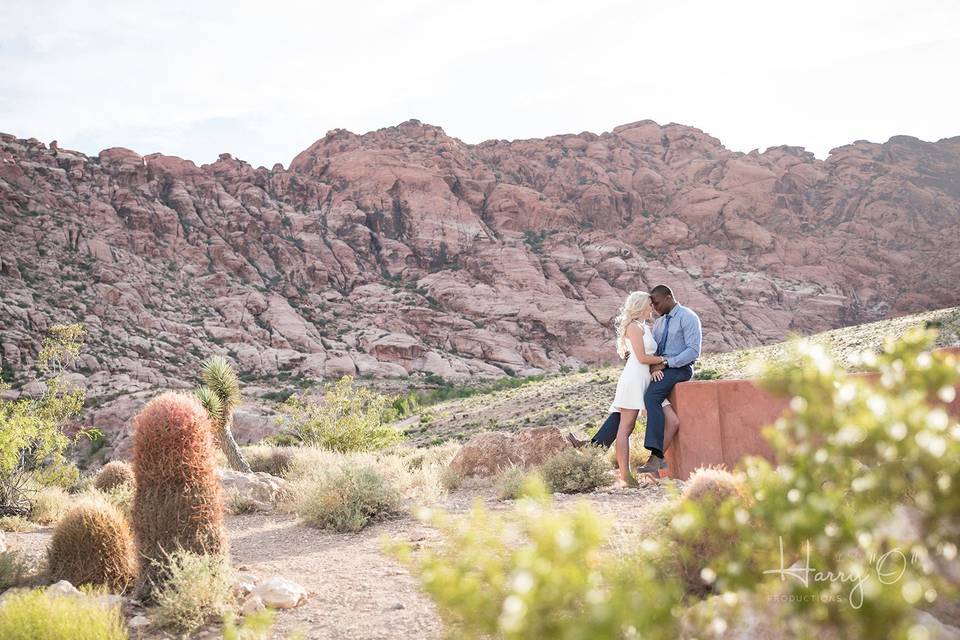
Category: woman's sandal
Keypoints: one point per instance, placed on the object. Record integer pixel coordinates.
(630, 483)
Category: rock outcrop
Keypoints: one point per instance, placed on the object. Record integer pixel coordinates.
(405, 251)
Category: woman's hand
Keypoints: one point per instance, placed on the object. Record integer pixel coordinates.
(657, 375)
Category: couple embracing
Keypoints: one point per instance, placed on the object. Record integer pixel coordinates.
(659, 356)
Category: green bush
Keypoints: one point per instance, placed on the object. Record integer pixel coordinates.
(34, 615)
(348, 418)
(861, 463)
(576, 471)
(349, 500)
(32, 442)
(195, 589)
(541, 574)
(256, 626)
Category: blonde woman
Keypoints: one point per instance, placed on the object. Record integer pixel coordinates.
(635, 343)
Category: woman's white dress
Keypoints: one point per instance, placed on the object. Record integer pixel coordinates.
(635, 377)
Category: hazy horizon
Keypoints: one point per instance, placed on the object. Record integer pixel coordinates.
(263, 84)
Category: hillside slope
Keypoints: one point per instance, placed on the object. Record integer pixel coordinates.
(580, 400)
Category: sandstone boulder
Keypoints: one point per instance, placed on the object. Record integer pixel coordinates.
(260, 489)
(486, 454)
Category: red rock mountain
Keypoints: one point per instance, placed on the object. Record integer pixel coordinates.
(406, 250)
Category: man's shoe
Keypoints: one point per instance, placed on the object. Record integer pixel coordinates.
(576, 442)
(652, 466)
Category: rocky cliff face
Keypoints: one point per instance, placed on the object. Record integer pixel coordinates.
(405, 250)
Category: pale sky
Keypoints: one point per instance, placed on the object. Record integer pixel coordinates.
(263, 80)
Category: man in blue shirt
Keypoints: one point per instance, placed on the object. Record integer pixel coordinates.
(679, 336)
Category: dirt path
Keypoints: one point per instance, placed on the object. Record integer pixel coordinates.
(357, 590)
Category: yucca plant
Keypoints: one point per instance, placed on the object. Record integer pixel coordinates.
(220, 395)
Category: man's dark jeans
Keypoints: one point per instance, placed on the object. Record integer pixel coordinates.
(656, 393)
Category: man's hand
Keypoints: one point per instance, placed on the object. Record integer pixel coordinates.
(657, 367)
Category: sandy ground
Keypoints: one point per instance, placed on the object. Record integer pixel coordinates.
(358, 590)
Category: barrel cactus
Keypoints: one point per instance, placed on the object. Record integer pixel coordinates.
(178, 503)
(93, 545)
(112, 475)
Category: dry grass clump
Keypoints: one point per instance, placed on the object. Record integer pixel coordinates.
(416, 474)
(576, 471)
(196, 588)
(49, 505)
(274, 460)
(15, 570)
(16, 524)
(114, 474)
(349, 500)
(178, 502)
(35, 615)
(509, 483)
(93, 545)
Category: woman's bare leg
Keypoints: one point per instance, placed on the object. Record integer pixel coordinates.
(670, 426)
(628, 420)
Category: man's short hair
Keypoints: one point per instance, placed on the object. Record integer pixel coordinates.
(661, 290)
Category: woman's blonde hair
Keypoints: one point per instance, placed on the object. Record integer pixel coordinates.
(632, 309)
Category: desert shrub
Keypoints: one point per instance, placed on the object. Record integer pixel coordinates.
(92, 545)
(543, 573)
(415, 475)
(113, 474)
(195, 589)
(576, 471)
(35, 615)
(49, 504)
(348, 418)
(509, 483)
(866, 468)
(178, 502)
(14, 569)
(349, 500)
(220, 396)
(274, 460)
(32, 442)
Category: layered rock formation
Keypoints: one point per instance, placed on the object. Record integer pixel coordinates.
(405, 250)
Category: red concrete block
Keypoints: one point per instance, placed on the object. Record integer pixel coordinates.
(699, 441)
(744, 410)
(722, 421)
